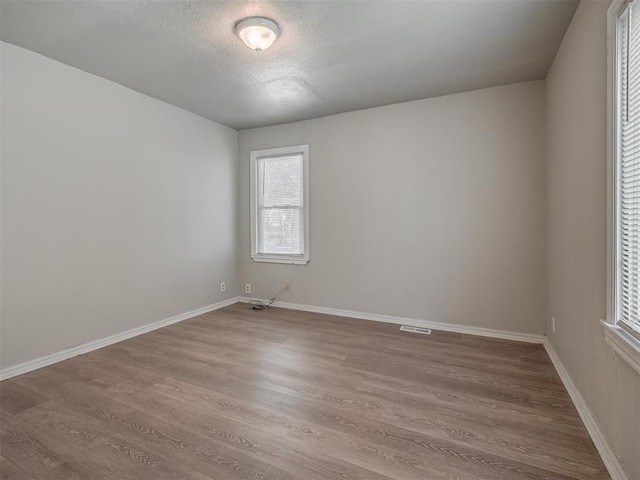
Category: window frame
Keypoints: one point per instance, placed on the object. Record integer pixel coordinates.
(618, 335)
(254, 156)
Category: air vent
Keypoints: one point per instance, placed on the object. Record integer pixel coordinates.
(422, 330)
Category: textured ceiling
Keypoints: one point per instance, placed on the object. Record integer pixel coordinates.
(332, 56)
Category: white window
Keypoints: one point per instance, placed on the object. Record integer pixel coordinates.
(627, 170)
(280, 205)
(622, 327)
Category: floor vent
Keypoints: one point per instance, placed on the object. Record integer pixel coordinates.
(422, 330)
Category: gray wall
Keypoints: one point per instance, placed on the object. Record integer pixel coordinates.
(576, 96)
(433, 209)
(117, 209)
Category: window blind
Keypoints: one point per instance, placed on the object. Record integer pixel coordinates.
(280, 205)
(628, 171)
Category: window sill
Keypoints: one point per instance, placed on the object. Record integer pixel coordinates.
(280, 259)
(624, 344)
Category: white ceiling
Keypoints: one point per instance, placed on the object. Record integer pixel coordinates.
(332, 56)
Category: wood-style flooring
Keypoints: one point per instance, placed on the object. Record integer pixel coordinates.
(281, 394)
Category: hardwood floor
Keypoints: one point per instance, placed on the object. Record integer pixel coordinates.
(280, 394)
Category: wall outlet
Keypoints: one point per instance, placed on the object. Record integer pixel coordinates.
(553, 324)
(287, 287)
(247, 288)
(223, 287)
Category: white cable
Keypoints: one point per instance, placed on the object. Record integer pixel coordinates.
(261, 305)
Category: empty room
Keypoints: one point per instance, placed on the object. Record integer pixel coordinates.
(320, 239)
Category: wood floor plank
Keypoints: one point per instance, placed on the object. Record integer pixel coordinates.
(371, 406)
(141, 445)
(37, 455)
(280, 394)
(320, 449)
(15, 399)
(8, 471)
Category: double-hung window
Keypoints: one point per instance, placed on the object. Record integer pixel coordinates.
(622, 327)
(280, 205)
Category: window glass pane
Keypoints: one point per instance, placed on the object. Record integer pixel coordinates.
(280, 231)
(281, 181)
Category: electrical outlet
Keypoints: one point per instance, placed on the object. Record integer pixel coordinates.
(287, 287)
(223, 287)
(247, 288)
(553, 324)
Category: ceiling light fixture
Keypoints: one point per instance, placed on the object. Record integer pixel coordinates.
(258, 33)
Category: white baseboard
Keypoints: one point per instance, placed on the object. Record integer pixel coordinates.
(597, 435)
(484, 332)
(31, 365)
(103, 342)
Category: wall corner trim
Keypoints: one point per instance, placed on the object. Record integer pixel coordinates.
(611, 462)
(41, 362)
(445, 327)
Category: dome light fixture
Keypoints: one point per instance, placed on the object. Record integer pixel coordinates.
(258, 33)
